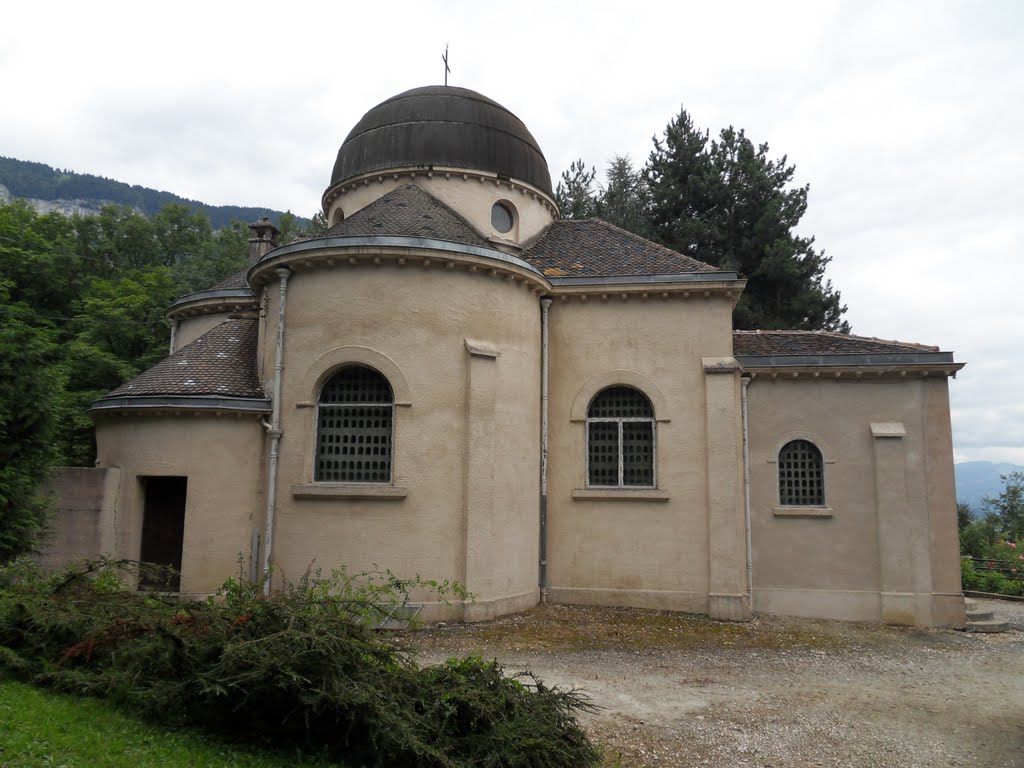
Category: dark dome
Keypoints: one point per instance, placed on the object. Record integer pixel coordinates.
(442, 126)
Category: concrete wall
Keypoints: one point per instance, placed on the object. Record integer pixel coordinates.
(648, 548)
(884, 545)
(222, 457)
(86, 500)
(462, 353)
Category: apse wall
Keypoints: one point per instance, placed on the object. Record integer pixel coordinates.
(461, 351)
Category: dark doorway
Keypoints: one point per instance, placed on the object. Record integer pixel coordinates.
(163, 532)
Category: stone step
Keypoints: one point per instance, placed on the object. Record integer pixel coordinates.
(988, 625)
(979, 614)
(970, 603)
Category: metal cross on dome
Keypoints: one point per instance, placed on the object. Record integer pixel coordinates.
(447, 69)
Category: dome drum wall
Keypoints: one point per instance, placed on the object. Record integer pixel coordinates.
(472, 195)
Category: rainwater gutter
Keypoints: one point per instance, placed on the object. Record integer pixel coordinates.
(274, 431)
(744, 382)
(545, 306)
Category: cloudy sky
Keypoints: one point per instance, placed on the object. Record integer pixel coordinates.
(906, 119)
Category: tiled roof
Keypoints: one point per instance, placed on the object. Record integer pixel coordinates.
(236, 280)
(765, 343)
(595, 248)
(408, 211)
(220, 362)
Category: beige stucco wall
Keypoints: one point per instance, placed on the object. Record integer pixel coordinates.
(191, 328)
(222, 458)
(645, 548)
(883, 548)
(466, 429)
(472, 197)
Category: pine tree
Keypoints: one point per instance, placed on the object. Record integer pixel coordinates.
(575, 192)
(727, 203)
(625, 199)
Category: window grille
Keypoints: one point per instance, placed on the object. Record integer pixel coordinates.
(801, 475)
(620, 439)
(355, 428)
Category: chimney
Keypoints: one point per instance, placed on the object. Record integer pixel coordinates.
(262, 238)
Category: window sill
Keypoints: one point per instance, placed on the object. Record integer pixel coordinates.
(369, 491)
(620, 494)
(802, 511)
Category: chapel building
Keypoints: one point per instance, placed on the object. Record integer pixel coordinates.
(454, 382)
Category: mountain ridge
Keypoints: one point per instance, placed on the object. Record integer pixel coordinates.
(977, 479)
(51, 189)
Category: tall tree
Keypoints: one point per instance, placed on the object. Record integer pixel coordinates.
(30, 392)
(1006, 511)
(575, 192)
(625, 199)
(726, 202)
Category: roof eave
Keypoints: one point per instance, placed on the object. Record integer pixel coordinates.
(177, 403)
(214, 300)
(903, 365)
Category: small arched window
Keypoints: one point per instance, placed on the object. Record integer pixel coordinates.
(620, 439)
(355, 428)
(801, 475)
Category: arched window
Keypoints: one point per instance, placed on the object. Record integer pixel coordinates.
(355, 428)
(620, 439)
(801, 475)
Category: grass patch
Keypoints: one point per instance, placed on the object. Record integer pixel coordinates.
(42, 728)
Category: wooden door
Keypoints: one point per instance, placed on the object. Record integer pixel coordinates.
(163, 532)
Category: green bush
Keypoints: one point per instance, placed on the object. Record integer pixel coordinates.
(302, 668)
(973, 579)
(969, 577)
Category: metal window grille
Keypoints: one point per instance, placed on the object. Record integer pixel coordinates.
(620, 439)
(801, 475)
(355, 428)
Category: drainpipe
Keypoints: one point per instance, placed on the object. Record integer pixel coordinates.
(746, 492)
(545, 306)
(274, 431)
(174, 335)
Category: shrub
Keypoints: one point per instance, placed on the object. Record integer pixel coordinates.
(969, 577)
(301, 668)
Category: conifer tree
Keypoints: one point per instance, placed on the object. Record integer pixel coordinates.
(575, 192)
(625, 199)
(727, 203)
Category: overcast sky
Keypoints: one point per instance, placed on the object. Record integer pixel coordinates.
(906, 119)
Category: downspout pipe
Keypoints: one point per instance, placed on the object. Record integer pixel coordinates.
(744, 382)
(274, 430)
(174, 335)
(545, 306)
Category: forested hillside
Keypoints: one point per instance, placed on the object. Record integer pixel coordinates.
(39, 181)
(82, 302)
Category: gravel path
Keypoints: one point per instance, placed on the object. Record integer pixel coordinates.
(677, 690)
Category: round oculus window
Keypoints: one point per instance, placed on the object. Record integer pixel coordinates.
(501, 218)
